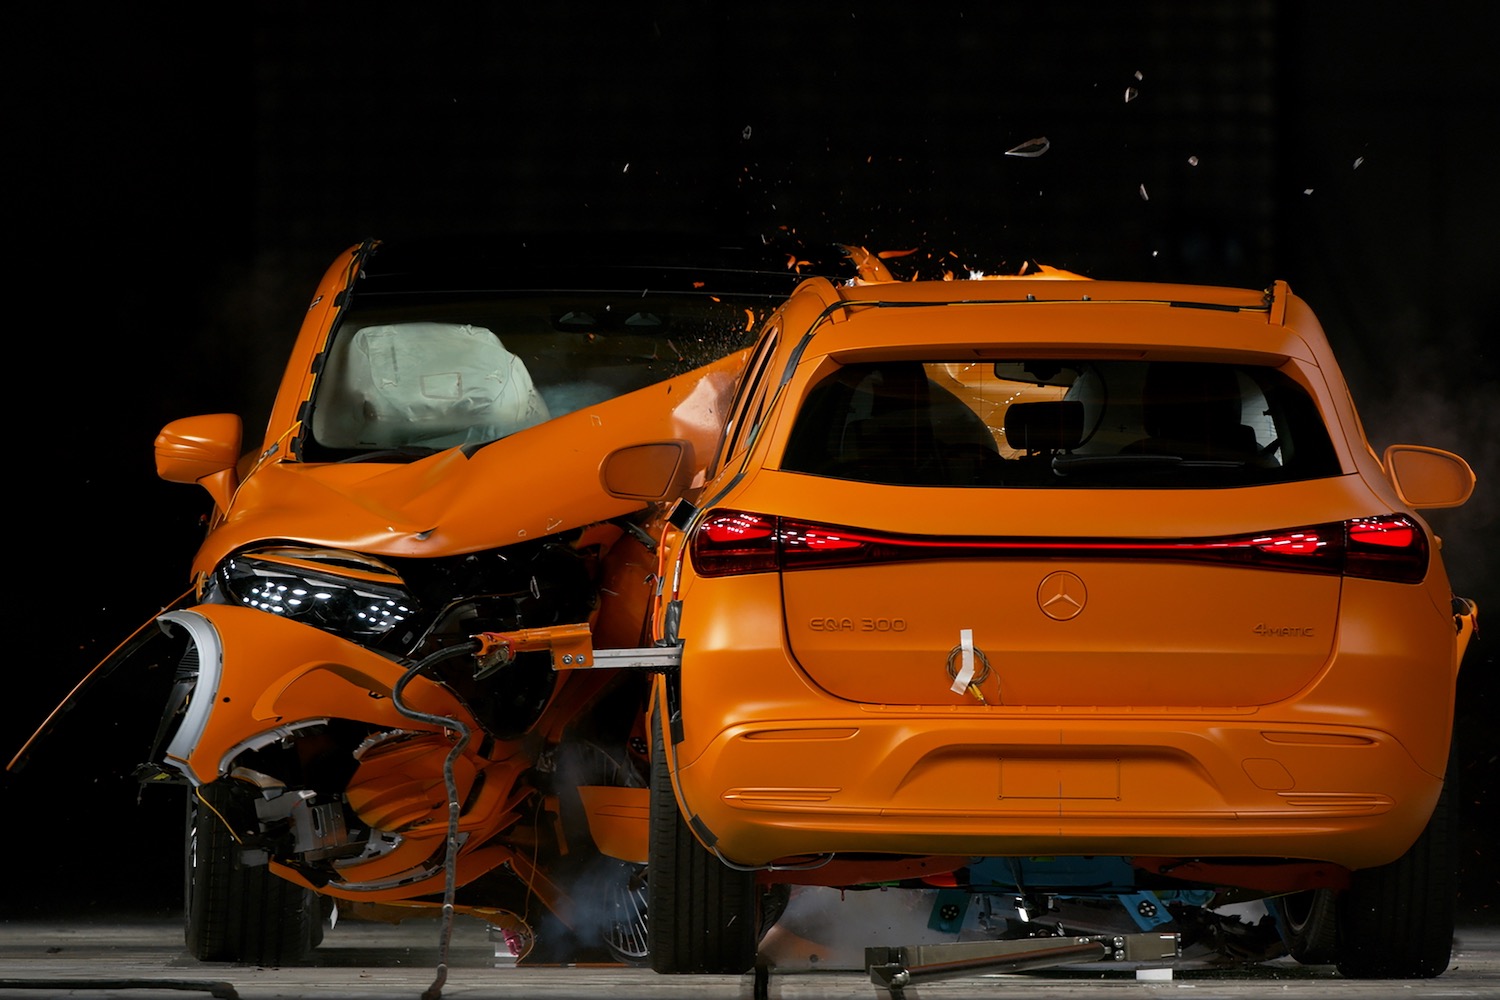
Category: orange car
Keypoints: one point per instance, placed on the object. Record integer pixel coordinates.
(1051, 588)
(358, 688)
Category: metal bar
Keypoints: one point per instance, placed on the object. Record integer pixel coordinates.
(899, 967)
(657, 658)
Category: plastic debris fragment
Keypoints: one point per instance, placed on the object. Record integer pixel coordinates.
(1192, 161)
(1031, 148)
(1144, 195)
(1131, 94)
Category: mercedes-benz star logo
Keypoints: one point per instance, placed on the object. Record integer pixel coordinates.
(1061, 595)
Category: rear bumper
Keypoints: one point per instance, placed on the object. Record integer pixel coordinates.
(983, 783)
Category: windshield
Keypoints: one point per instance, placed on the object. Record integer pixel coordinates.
(407, 379)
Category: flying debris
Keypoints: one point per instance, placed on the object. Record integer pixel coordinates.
(1031, 148)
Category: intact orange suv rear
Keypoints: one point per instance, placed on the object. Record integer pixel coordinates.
(1007, 580)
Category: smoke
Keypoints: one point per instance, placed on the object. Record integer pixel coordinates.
(1446, 399)
(829, 929)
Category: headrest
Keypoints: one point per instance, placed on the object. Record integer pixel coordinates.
(1190, 401)
(1054, 425)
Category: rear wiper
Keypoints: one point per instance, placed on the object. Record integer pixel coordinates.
(1064, 465)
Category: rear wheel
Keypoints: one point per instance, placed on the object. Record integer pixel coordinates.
(1308, 925)
(236, 913)
(701, 912)
(1396, 921)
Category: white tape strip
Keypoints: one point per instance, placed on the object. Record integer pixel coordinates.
(965, 675)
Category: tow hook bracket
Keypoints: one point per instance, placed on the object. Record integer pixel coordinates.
(895, 968)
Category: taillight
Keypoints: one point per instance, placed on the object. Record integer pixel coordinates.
(730, 542)
(1386, 548)
(1317, 548)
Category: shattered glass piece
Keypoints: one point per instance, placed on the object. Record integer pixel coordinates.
(1139, 75)
(1307, 190)
(1131, 94)
(1144, 195)
(1192, 161)
(1357, 161)
(1031, 148)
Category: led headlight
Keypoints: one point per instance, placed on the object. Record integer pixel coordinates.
(346, 593)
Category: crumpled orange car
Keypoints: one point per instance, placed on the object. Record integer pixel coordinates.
(1052, 588)
(359, 684)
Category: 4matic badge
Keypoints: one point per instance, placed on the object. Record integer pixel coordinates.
(1285, 631)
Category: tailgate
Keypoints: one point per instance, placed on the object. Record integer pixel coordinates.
(1062, 633)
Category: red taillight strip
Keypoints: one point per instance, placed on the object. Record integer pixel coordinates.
(1386, 548)
(731, 542)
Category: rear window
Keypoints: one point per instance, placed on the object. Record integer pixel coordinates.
(1059, 425)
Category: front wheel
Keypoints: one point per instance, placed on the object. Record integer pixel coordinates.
(626, 928)
(701, 913)
(1396, 921)
(233, 912)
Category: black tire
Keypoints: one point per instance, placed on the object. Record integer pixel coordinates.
(1308, 925)
(1396, 921)
(701, 913)
(236, 913)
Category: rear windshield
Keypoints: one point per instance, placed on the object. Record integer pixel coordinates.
(402, 380)
(1060, 424)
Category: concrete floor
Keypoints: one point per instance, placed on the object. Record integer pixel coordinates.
(132, 956)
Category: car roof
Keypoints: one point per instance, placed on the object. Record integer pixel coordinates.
(1064, 288)
(1040, 315)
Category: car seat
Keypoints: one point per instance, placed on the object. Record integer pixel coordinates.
(1193, 411)
(889, 423)
(1040, 431)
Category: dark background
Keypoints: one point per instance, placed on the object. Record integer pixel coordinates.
(180, 178)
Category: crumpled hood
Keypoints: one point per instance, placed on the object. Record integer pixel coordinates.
(537, 482)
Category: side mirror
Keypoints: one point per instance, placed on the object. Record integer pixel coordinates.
(1428, 477)
(654, 472)
(202, 450)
